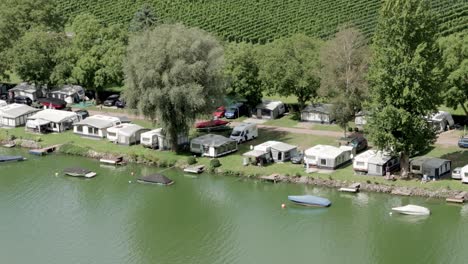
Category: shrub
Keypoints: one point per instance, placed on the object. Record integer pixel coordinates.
(215, 163)
(38, 139)
(350, 129)
(162, 164)
(73, 149)
(298, 174)
(171, 163)
(356, 129)
(191, 160)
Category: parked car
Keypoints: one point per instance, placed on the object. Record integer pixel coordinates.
(236, 110)
(298, 159)
(82, 113)
(111, 100)
(22, 100)
(219, 112)
(463, 142)
(120, 103)
(357, 141)
(456, 173)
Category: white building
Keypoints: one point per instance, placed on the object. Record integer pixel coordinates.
(319, 113)
(374, 162)
(211, 145)
(95, 126)
(125, 134)
(157, 139)
(277, 151)
(14, 115)
(51, 120)
(327, 157)
(270, 109)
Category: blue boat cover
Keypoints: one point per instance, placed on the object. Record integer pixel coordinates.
(309, 200)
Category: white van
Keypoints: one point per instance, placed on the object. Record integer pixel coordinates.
(244, 132)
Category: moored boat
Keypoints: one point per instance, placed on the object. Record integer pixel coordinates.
(309, 200)
(155, 179)
(11, 158)
(211, 124)
(412, 209)
(79, 172)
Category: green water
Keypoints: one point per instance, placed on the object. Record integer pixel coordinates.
(210, 219)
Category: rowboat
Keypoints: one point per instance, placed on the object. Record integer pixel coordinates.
(155, 179)
(212, 125)
(309, 200)
(79, 172)
(11, 158)
(412, 209)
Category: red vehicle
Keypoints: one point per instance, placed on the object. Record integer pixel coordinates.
(211, 125)
(53, 103)
(219, 113)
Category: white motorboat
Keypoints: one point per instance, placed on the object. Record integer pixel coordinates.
(412, 209)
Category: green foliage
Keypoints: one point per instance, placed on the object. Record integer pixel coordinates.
(94, 56)
(242, 73)
(173, 74)
(143, 19)
(291, 67)
(455, 59)
(19, 16)
(73, 149)
(191, 160)
(404, 79)
(215, 163)
(261, 21)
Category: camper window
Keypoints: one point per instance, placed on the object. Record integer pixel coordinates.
(79, 128)
(359, 163)
(111, 134)
(323, 162)
(145, 139)
(415, 167)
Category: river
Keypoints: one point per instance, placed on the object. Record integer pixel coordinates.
(51, 219)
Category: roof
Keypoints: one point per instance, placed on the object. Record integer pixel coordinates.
(124, 119)
(25, 87)
(16, 110)
(270, 105)
(99, 121)
(55, 116)
(156, 178)
(157, 131)
(244, 125)
(126, 129)
(373, 157)
(68, 89)
(326, 151)
(319, 108)
(429, 162)
(280, 146)
(254, 153)
(212, 140)
(440, 116)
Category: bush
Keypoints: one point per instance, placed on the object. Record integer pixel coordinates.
(72, 149)
(38, 139)
(298, 174)
(191, 160)
(356, 129)
(162, 164)
(215, 163)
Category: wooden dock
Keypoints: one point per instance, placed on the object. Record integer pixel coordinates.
(271, 178)
(9, 145)
(113, 161)
(353, 188)
(195, 169)
(460, 198)
(43, 151)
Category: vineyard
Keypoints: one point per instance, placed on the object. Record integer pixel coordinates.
(260, 21)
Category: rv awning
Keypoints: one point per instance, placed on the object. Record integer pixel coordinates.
(36, 123)
(255, 153)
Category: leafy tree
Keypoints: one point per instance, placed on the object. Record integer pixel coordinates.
(290, 66)
(455, 60)
(344, 61)
(94, 55)
(143, 19)
(173, 74)
(34, 55)
(242, 73)
(19, 16)
(404, 79)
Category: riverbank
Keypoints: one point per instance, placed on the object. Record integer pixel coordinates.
(231, 165)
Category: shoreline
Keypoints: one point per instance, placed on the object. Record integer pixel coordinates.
(365, 185)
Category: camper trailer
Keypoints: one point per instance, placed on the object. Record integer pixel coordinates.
(327, 157)
(244, 132)
(442, 121)
(320, 113)
(270, 109)
(125, 134)
(374, 162)
(464, 174)
(430, 167)
(211, 145)
(157, 139)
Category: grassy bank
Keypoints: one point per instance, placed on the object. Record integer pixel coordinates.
(232, 164)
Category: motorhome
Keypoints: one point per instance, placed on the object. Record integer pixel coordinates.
(244, 132)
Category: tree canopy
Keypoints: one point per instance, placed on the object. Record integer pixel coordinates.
(344, 61)
(455, 60)
(143, 19)
(404, 79)
(173, 74)
(242, 73)
(291, 66)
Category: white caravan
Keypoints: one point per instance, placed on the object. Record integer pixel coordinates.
(244, 132)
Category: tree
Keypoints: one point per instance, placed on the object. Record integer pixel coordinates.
(242, 73)
(19, 16)
(291, 67)
(94, 56)
(143, 19)
(404, 79)
(344, 61)
(173, 74)
(34, 55)
(455, 59)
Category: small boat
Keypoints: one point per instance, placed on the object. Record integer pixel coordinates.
(155, 179)
(195, 169)
(412, 209)
(79, 172)
(211, 124)
(309, 200)
(11, 158)
(113, 161)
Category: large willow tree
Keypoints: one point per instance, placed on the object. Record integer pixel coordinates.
(404, 79)
(173, 74)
